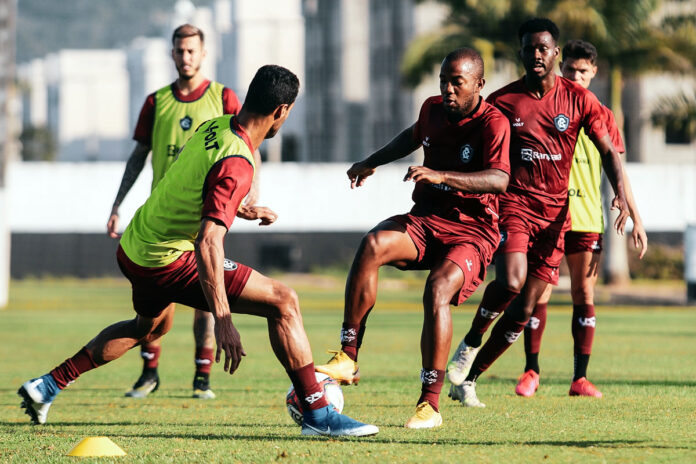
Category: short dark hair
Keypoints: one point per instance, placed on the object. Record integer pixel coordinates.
(535, 25)
(187, 30)
(271, 87)
(579, 50)
(466, 53)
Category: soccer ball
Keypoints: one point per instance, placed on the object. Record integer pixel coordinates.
(332, 391)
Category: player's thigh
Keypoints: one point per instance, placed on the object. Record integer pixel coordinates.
(511, 269)
(444, 281)
(392, 242)
(266, 297)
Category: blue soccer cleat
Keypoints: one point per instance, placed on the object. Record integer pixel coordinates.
(326, 421)
(37, 396)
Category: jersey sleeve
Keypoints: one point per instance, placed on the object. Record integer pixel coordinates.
(230, 102)
(496, 143)
(146, 121)
(613, 130)
(422, 118)
(593, 120)
(226, 185)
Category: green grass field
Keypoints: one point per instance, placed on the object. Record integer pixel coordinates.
(644, 361)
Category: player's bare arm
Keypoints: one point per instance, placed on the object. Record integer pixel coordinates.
(134, 167)
(611, 162)
(639, 236)
(400, 146)
(251, 213)
(253, 195)
(486, 181)
(210, 259)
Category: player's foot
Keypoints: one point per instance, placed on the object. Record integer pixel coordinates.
(146, 384)
(466, 393)
(583, 387)
(341, 368)
(201, 388)
(326, 421)
(37, 396)
(527, 384)
(460, 364)
(425, 418)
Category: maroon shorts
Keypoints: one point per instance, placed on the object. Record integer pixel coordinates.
(154, 288)
(437, 239)
(582, 242)
(524, 231)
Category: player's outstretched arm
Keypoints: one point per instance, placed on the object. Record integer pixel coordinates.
(251, 213)
(210, 257)
(134, 167)
(400, 146)
(611, 162)
(640, 238)
(486, 181)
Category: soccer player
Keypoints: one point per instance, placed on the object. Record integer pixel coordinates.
(167, 119)
(452, 229)
(546, 113)
(583, 242)
(172, 251)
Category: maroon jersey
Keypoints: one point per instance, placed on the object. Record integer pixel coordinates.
(543, 135)
(613, 130)
(477, 142)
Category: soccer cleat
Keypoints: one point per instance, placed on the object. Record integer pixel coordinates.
(341, 368)
(527, 384)
(425, 418)
(460, 364)
(37, 396)
(327, 422)
(583, 387)
(201, 388)
(466, 393)
(146, 384)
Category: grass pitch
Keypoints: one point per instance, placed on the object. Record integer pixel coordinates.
(644, 361)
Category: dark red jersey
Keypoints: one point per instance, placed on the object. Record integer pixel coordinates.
(613, 129)
(478, 142)
(543, 135)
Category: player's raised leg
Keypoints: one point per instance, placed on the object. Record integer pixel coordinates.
(111, 343)
(278, 303)
(204, 335)
(388, 243)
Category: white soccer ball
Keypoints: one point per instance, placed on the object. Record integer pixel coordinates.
(332, 391)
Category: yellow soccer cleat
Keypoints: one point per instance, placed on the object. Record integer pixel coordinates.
(425, 418)
(341, 368)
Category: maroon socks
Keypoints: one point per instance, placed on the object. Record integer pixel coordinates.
(308, 391)
(495, 299)
(72, 368)
(204, 360)
(432, 381)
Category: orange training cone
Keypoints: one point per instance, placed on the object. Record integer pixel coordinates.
(97, 446)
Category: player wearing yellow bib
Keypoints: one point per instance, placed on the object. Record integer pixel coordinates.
(167, 119)
(583, 243)
(172, 251)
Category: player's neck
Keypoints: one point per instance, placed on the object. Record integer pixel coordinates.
(540, 87)
(186, 86)
(256, 127)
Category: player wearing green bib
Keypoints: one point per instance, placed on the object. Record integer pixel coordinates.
(172, 251)
(583, 242)
(167, 119)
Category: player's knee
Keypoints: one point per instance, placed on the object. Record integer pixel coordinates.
(583, 294)
(288, 303)
(439, 291)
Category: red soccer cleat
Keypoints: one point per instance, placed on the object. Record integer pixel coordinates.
(528, 384)
(583, 387)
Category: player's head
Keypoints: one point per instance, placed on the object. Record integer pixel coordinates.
(538, 46)
(578, 63)
(272, 92)
(187, 50)
(461, 81)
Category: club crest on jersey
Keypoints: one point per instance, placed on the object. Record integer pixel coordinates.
(466, 153)
(230, 265)
(186, 122)
(561, 122)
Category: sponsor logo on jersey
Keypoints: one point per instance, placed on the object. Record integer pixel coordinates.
(527, 154)
(517, 123)
(186, 122)
(587, 321)
(561, 122)
(230, 265)
(426, 141)
(486, 314)
(348, 335)
(466, 153)
(428, 377)
(533, 323)
(314, 397)
(511, 336)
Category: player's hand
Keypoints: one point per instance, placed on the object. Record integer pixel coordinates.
(619, 202)
(640, 238)
(251, 213)
(358, 172)
(253, 195)
(112, 226)
(423, 174)
(230, 342)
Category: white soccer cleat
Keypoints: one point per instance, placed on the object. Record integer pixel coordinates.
(466, 393)
(460, 364)
(37, 397)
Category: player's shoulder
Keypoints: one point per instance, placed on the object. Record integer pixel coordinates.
(493, 115)
(576, 89)
(513, 87)
(430, 101)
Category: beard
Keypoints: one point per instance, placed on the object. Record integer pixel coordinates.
(186, 77)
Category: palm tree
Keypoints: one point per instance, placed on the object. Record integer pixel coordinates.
(631, 36)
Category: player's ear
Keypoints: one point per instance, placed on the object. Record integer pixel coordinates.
(481, 82)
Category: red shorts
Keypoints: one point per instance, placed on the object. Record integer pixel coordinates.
(583, 242)
(524, 231)
(437, 239)
(154, 288)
